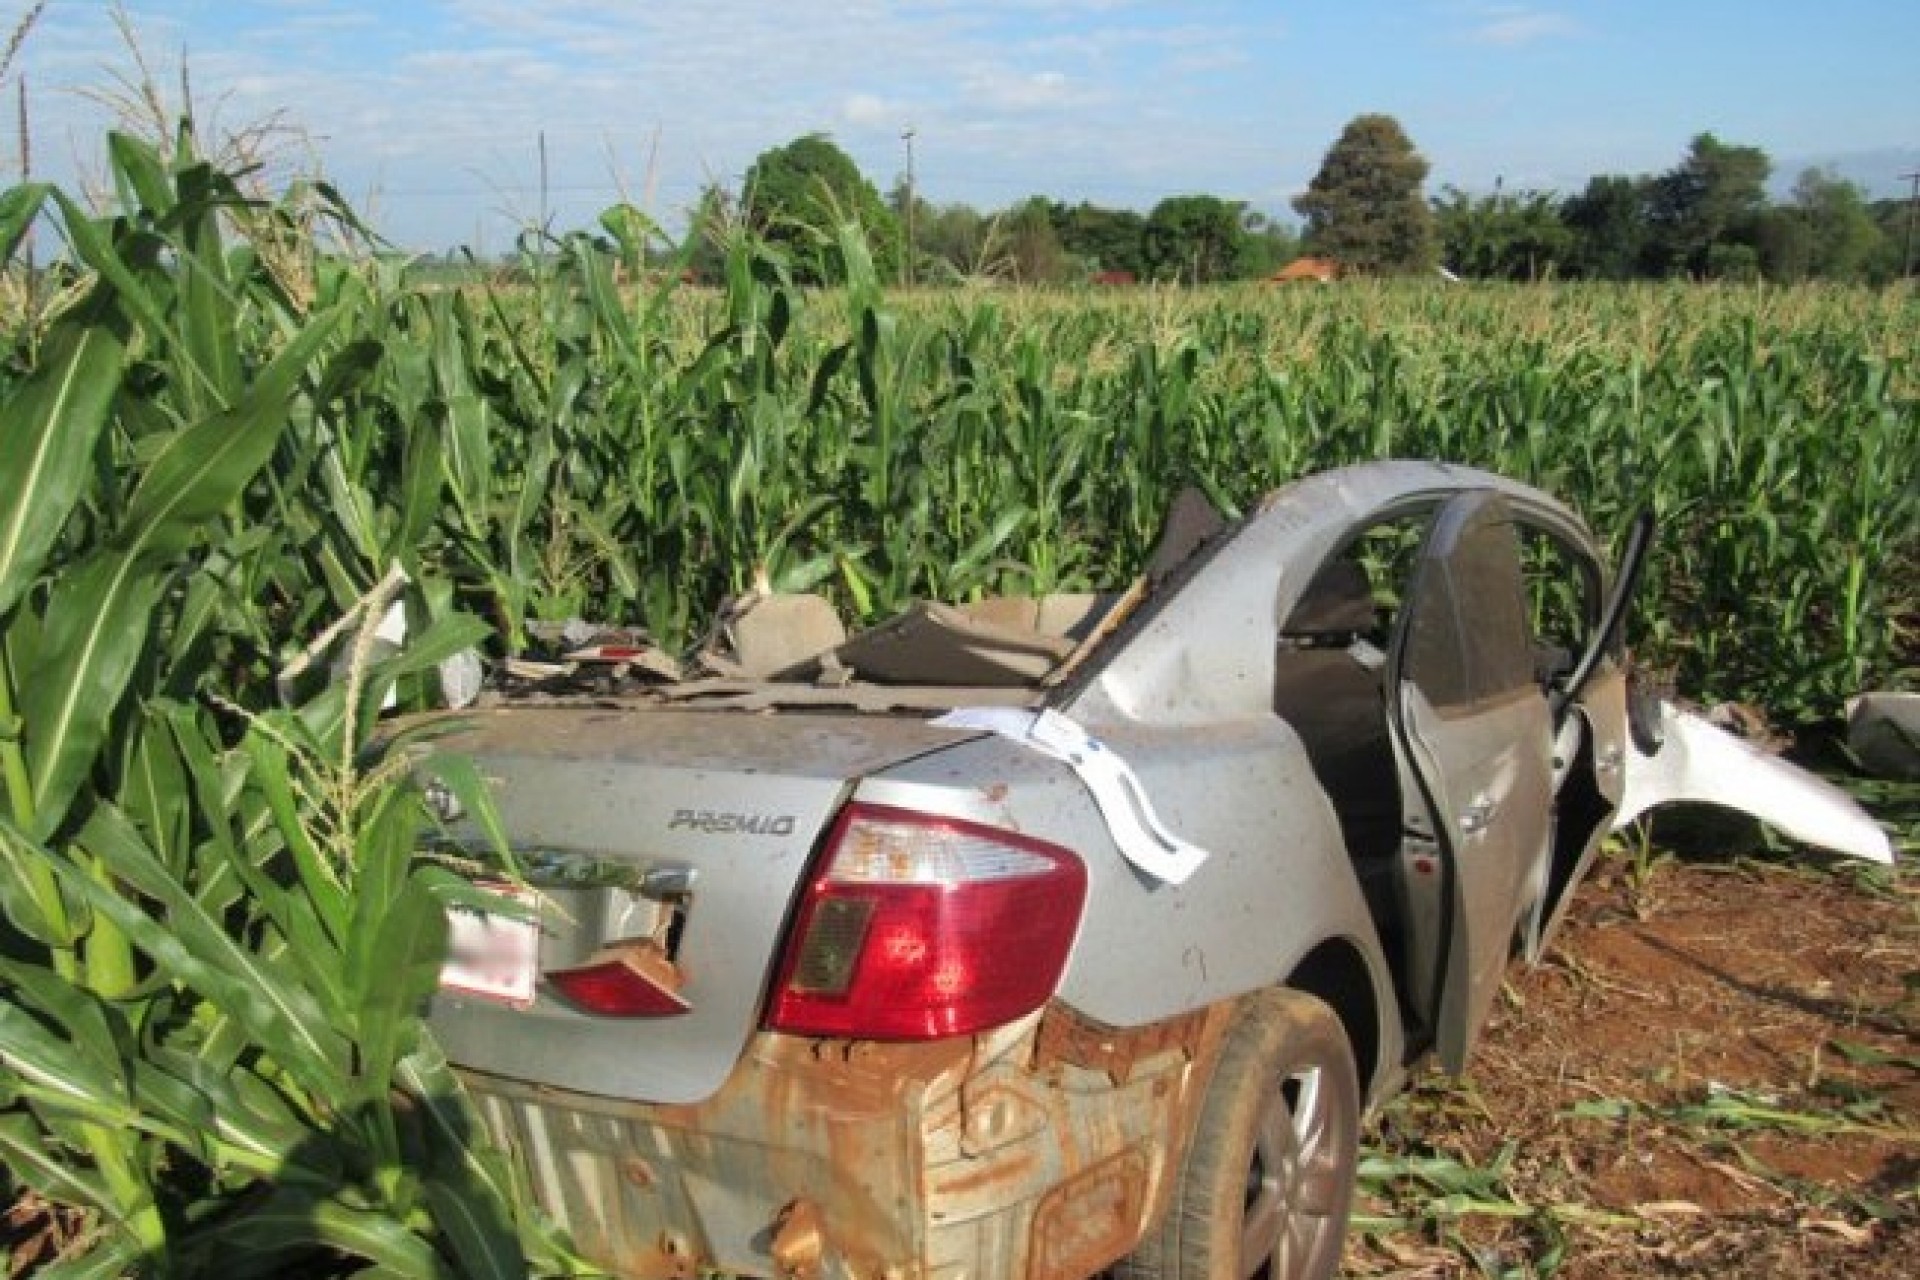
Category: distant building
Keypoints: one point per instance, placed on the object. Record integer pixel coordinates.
(1319, 270)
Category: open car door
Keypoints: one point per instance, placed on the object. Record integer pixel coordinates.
(1593, 714)
(1474, 733)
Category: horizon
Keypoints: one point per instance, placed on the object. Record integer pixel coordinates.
(432, 120)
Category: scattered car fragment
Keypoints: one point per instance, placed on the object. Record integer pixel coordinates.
(1033, 938)
(1883, 731)
(1699, 763)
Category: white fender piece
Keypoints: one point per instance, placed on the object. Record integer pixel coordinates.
(1701, 764)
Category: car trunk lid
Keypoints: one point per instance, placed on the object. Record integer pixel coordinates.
(675, 840)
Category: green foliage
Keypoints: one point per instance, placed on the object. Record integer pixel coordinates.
(1104, 240)
(799, 195)
(1503, 237)
(1843, 237)
(217, 939)
(1034, 252)
(1267, 246)
(1712, 199)
(955, 243)
(1364, 208)
(1609, 225)
(954, 444)
(1194, 239)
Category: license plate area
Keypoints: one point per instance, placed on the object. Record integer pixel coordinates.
(493, 956)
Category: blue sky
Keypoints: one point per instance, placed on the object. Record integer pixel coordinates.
(429, 114)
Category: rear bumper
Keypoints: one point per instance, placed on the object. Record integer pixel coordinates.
(1041, 1150)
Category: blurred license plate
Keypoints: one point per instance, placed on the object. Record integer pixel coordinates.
(492, 956)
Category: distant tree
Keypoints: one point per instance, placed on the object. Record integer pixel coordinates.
(1737, 260)
(1194, 239)
(1783, 241)
(1845, 238)
(1705, 206)
(1104, 240)
(1500, 236)
(1608, 225)
(715, 218)
(1268, 245)
(1895, 219)
(964, 243)
(1364, 208)
(1033, 249)
(800, 195)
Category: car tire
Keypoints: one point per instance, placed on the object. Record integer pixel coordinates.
(1267, 1179)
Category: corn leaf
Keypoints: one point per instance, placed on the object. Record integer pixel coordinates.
(49, 1072)
(85, 1020)
(463, 1169)
(29, 1157)
(19, 206)
(201, 470)
(395, 979)
(195, 949)
(479, 1233)
(50, 424)
(265, 1239)
(98, 618)
(97, 626)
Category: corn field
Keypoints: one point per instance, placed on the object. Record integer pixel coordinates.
(957, 443)
(638, 454)
(221, 430)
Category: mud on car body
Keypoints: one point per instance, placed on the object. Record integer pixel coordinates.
(1032, 938)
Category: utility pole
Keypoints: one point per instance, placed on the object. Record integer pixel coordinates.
(906, 268)
(1913, 208)
(543, 182)
(26, 176)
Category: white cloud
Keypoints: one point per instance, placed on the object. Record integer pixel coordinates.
(1001, 88)
(868, 109)
(1514, 26)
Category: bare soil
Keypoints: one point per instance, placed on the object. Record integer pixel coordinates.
(1715, 1071)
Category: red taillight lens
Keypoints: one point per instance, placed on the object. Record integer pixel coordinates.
(920, 926)
(634, 981)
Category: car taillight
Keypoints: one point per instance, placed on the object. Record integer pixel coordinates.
(631, 980)
(918, 926)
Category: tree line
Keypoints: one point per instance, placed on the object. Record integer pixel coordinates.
(1708, 217)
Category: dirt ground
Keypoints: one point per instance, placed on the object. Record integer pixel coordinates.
(1715, 1071)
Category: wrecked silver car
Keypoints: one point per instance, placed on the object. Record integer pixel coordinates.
(1037, 937)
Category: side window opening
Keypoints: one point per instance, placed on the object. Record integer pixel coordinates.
(1563, 602)
(1328, 674)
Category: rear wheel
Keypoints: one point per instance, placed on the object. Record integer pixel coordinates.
(1268, 1177)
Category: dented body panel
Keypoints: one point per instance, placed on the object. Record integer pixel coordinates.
(1277, 882)
(1041, 1149)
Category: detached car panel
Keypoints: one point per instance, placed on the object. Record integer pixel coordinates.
(1187, 876)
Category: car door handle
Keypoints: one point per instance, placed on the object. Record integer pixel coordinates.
(1478, 816)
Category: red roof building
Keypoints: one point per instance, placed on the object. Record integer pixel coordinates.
(1319, 270)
